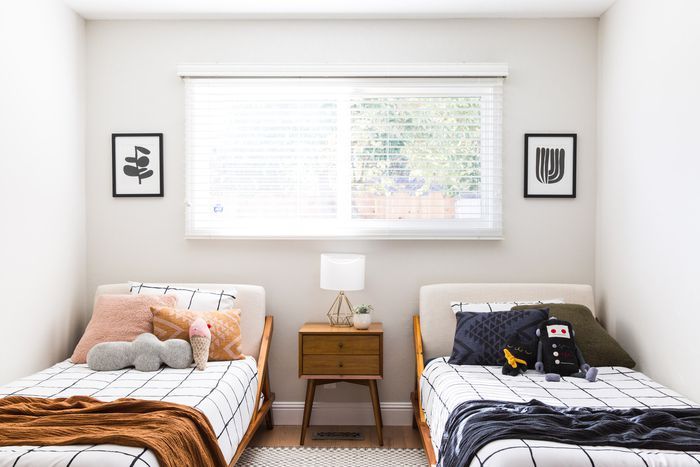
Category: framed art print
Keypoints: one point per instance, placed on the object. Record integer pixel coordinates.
(137, 164)
(550, 165)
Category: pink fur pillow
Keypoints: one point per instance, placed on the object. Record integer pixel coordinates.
(119, 318)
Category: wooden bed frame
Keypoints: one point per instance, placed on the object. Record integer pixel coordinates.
(438, 326)
(418, 415)
(255, 298)
(264, 411)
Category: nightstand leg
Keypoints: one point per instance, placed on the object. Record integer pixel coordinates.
(374, 394)
(310, 392)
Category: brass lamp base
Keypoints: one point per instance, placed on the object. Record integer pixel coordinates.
(336, 315)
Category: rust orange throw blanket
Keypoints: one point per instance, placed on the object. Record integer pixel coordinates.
(177, 434)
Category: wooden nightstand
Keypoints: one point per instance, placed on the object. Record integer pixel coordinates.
(330, 354)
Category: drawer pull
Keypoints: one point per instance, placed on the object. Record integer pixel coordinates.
(340, 345)
(340, 364)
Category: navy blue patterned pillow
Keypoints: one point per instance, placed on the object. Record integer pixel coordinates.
(481, 337)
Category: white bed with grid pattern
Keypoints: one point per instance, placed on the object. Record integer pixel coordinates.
(443, 387)
(224, 392)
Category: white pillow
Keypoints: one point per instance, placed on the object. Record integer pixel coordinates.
(496, 306)
(187, 297)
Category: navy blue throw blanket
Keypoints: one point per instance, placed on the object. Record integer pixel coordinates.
(472, 425)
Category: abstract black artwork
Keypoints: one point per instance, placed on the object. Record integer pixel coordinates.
(137, 164)
(550, 165)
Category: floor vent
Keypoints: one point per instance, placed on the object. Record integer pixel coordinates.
(338, 435)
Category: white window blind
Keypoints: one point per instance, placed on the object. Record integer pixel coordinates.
(343, 157)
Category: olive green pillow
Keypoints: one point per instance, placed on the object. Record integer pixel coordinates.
(598, 347)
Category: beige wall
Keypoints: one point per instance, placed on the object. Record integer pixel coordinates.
(648, 259)
(132, 87)
(42, 184)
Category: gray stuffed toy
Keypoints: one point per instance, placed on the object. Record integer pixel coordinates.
(145, 353)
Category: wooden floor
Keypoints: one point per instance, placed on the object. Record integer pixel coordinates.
(394, 437)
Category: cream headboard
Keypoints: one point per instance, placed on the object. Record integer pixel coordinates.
(250, 299)
(437, 321)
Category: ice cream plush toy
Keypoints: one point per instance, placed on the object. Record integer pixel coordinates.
(200, 339)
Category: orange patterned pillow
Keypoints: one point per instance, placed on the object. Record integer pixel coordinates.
(171, 323)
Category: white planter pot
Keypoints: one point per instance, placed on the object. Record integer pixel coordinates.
(361, 320)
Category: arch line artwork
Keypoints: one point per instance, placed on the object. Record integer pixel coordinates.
(549, 164)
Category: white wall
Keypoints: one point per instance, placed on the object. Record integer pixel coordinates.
(648, 257)
(42, 184)
(132, 87)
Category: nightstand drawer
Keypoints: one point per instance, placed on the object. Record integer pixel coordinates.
(354, 345)
(341, 365)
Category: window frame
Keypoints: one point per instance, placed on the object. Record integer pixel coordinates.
(353, 228)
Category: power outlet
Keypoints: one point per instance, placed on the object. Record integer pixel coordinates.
(329, 386)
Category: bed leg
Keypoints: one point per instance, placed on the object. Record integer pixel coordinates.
(269, 422)
(414, 418)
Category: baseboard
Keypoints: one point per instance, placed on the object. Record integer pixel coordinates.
(342, 413)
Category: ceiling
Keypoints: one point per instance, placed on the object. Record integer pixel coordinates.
(336, 9)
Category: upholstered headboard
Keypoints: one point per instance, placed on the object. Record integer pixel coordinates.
(250, 299)
(437, 321)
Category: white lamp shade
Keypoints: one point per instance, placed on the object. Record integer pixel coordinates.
(342, 271)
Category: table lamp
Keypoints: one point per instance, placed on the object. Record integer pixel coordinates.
(342, 272)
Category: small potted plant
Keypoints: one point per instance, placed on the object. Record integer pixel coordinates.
(362, 316)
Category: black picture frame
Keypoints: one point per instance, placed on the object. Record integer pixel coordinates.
(570, 189)
(116, 192)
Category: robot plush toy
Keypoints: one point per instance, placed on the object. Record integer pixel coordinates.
(557, 352)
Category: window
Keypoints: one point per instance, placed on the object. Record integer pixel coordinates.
(343, 157)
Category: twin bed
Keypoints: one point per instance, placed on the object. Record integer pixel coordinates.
(233, 395)
(442, 387)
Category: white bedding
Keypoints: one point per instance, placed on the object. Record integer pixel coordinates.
(224, 392)
(444, 386)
